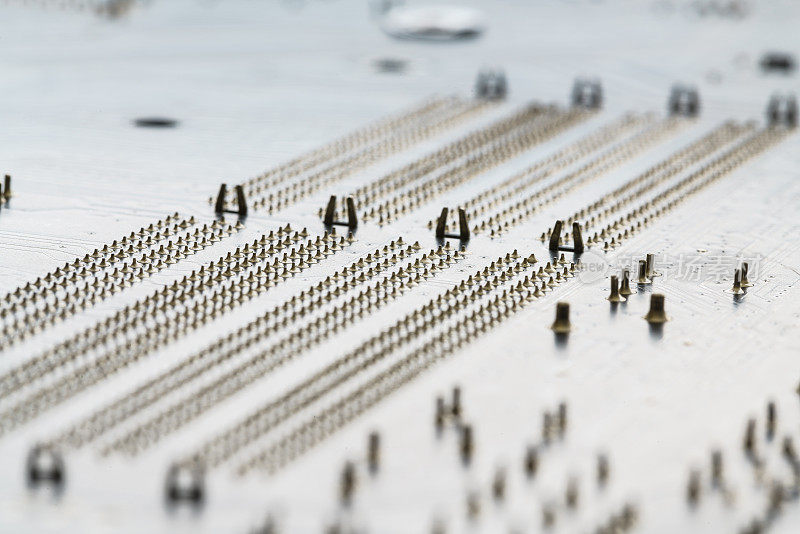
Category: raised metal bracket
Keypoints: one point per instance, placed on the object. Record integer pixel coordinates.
(587, 94)
(782, 111)
(577, 239)
(185, 483)
(463, 225)
(330, 214)
(491, 85)
(45, 464)
(683, 101)
(241, 202)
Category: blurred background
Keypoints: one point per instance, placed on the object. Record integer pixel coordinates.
(250, 83)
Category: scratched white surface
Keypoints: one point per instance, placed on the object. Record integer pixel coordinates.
(256, 83)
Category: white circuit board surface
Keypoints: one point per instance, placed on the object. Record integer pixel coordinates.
(255, 84)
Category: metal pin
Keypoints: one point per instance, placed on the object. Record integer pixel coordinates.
(466, 445)
(348, 482)
(531, 461)
(548, 516)
(615, 296)
(571, 495)
(750, 437)
(737, 283)
(789, 452)
(440, 414)
(373, 451)
(561, 325)
(456, 406)
(650, 260)
(625, 288)
(693, 488)
(562, 419)
(473, 505)
(547, 427)
(745, 280)
(603, 469)
(772, 417)
(716, 468)
(499, 484)
(643, 278)
(656, 314)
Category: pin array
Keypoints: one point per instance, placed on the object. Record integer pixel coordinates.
(480, 320)
(84, 282)
(158, 319)
(504, 144)
(294, 310)
(309, 174)
(420, 169)
(655, 175)
(241, 375)
(510, 188)
(638, 218)
(505, 218)
(362, 358)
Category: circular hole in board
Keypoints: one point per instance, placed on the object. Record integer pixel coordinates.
(155, 122)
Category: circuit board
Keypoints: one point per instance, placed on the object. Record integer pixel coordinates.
(384, 267)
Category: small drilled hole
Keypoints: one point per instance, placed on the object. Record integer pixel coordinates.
(155, 122)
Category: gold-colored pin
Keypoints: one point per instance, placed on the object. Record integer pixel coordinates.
(561, 325)
(737, 283)
(745, 280)
(650, 261)
(693, 488)
(625, 288)
(642, 278)
(656, 314)
(615, 296)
